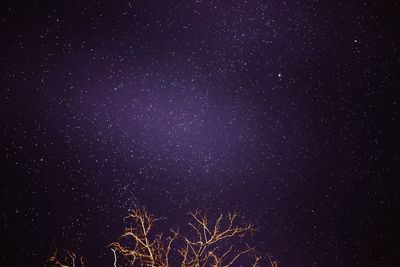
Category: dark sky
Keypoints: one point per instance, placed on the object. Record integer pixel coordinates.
(285, 111)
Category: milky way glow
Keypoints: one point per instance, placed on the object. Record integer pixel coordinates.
(281, 110)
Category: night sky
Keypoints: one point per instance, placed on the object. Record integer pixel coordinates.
(285, 111)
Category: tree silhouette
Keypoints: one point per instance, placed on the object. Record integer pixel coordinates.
(147, 250)
(211, 242)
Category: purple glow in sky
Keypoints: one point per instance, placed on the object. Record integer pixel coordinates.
(282, 110)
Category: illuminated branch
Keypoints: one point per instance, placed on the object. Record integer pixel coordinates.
(66, 261)
(115, 257)
(149, 251)
(209, 236)
(273, 263)
(211, 244)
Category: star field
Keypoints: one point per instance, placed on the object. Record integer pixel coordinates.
(283, 110)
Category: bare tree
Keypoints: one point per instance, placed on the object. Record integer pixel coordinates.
(204, 249)
(214, 243)
(148, 249)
